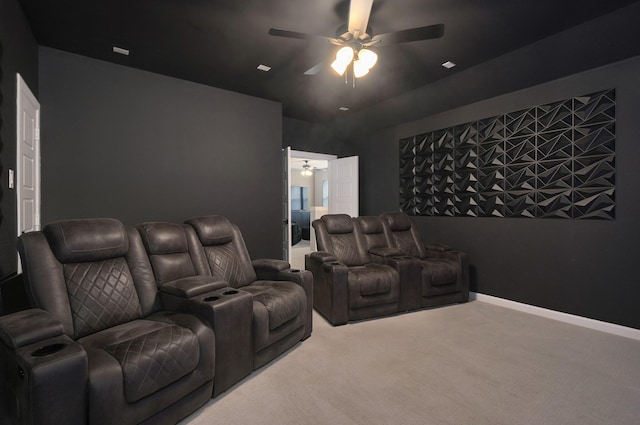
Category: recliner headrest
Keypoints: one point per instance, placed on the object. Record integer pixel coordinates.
(370, 225)
(163, 238)
(398, 221)
(75, 241)
(212, 229)
(337, 223)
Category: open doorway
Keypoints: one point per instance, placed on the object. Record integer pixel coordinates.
(330, 187)
(309, 200)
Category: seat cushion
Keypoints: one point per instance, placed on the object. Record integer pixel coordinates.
(439, 276)
(282, 300)
(372, 284)
(152, 354)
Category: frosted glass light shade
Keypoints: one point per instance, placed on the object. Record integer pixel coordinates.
(359, 69)
(343, 59)
(366, 60)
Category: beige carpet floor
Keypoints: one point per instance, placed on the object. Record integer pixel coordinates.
(473, 363)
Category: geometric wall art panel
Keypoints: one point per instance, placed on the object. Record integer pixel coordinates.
(549, 161)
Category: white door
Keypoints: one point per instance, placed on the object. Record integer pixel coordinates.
(28, 159)
(286, 204)
(343, 186)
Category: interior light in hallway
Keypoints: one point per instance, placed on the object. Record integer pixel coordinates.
(306, 169)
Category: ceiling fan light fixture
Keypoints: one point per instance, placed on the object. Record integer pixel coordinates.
(359, 69)
(366, 60)
(306, 169)
(343, 59)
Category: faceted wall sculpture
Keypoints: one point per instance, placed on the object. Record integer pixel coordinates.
(555, 160)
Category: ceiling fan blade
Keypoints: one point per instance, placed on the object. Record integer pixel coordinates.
(303, 36)
(359, 12)
(314, 70)
(291, 34)
(413, 34)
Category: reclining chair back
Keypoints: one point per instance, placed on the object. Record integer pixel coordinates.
(403, 235)
(373, 231)
(337, 234)
(224, 250)
(168, 251)
(89, 274)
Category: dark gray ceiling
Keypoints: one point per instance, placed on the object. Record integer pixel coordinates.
(221, 42)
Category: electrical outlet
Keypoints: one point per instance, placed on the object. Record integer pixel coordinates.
(11, 179)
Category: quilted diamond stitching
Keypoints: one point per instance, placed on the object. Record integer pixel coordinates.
(101, 295)
(224, 265)
(153, 361)
(405, 242)
(344, 247)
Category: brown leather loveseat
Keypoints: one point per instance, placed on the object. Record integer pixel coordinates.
(99, 346)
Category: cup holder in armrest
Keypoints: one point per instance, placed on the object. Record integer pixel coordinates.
(219, 295)
(295, 271)
(48, 349)
(335, 263)
(211, 298)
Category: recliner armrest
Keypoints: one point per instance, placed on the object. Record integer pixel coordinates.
(304, 278)
(270, 264)
(268, 269)
(192, 286)
(44, 382)
(330, 294)
(438, 247)
(28, 327)
(322, 257)
(44, 372)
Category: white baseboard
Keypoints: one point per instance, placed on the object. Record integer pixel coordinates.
(556, 315)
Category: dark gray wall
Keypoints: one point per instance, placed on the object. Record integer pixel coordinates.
(20, 55)
(585, 267)
(312, 137)
(137, 146)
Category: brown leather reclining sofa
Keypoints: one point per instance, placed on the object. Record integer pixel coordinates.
(373, 266)
(142, 325)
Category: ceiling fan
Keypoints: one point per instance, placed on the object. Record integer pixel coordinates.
(307, 170)
(356, 39)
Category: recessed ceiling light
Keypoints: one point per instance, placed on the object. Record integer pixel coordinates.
(264, 68)
(120, 50)
(448, 64)
(343, 108)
